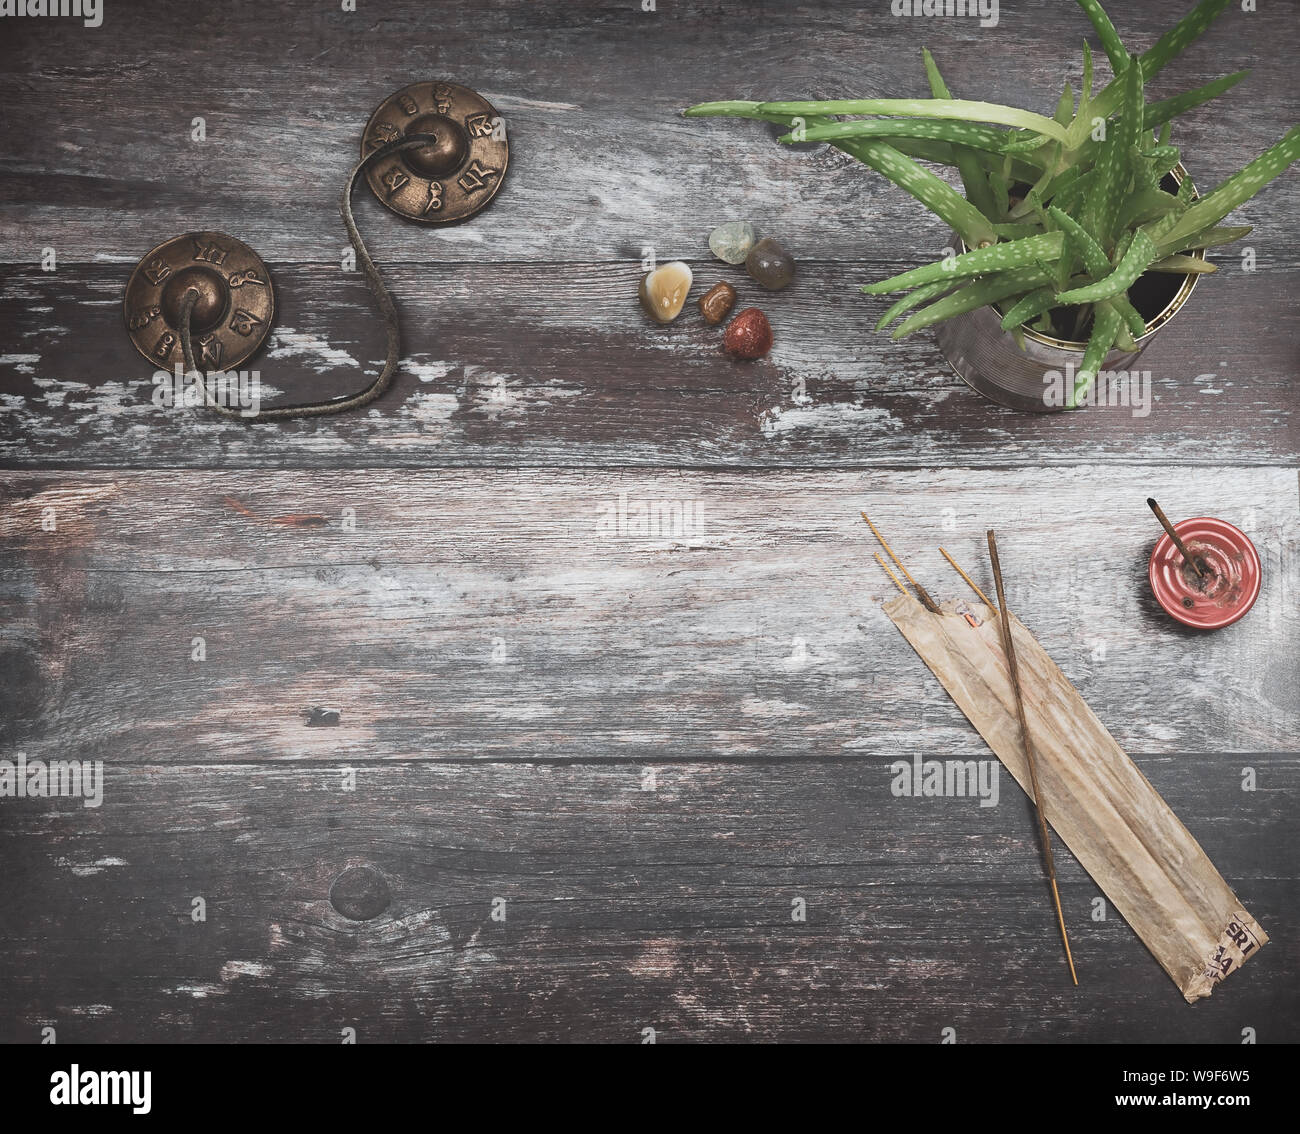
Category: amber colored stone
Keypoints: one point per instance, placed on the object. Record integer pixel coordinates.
(717, 302)
(663, 291)
(749, 334)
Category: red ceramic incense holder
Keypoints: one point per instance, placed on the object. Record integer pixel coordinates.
(1232, 574)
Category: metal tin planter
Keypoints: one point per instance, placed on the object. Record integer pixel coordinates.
(990, 361)
(1232, 574)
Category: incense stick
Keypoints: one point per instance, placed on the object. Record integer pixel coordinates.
(1173, 535)
(926, 600)
(969, 581)
(1043, 833)
(892, 575)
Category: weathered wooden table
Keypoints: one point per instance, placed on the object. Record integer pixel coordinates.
(461, 758)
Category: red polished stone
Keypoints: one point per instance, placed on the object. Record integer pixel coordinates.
(749, 334)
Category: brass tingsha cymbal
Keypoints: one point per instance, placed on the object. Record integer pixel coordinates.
(454, 176)
(232, 316)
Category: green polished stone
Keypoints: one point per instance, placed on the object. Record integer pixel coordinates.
(731, 242)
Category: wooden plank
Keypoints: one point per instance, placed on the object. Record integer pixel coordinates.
(501, 371)
(102, 163)
(625, 908)
(476, 615)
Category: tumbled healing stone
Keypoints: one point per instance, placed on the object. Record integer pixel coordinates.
(748, 335)
(717, 302)
(732, 241)
(770, 264)
(663, 291)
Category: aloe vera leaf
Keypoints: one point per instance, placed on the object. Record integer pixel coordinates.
(975, 181)
(1104, 173)
(1213, 237)
(1166, 131)
(1001, 189)
(1164, 111)
(1137, 325)
(731, 108)
(1032, 202)
(1145, 205)
(1101, 210)
(1129, 130)
(962, 110)
(1160, 53)
(995, 258)
(965, 217)
(939, 197)
(926, 150)
(1179, 36)
(1090, 252)
(1110, 171)
(940, 153)
(1085, 86)
(1027, 168)
(1121, 247)
(968, 134)
(1064, 268)
(1141, 253)
(1163, 159)
(938, 86)
(1029, 307)
(1158, 228)
(1077, 136)
(1064, 106)
(1110, 41)
(1026, 143)
(1237, 189)
(1056, 184)
(1124, 338)
(935, 194)
(1016, 231)
(1152, 61)
(967, 163)
(1144, 175)
(1185, 265)
(1105, 326)
(1072, 195)
(920, 295)
(975, 294)
(923, 148)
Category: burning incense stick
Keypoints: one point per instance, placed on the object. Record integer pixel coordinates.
(1173, 535)
(1043, 833)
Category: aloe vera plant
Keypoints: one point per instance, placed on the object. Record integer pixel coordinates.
(1061, 215)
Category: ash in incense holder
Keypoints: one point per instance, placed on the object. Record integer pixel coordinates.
(1204, 572)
